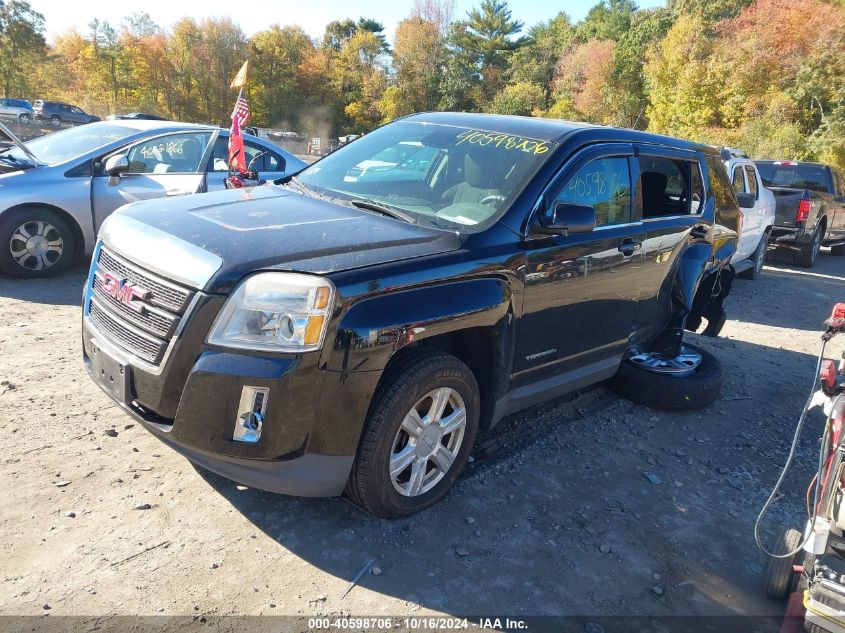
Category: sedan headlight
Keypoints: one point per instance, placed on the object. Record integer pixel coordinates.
(282, 312)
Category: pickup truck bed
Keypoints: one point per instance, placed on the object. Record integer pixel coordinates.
(810, 208)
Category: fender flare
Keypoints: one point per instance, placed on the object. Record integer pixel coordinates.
(374, 328)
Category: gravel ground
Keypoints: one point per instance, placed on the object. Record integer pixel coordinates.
(596, 506)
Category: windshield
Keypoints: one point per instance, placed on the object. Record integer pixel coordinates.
(801, 176)
(59, 147)
(449, 177)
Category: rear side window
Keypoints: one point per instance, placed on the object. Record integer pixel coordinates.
(751, 175)
(719, 183)
(669, 187)
(605, 185)
(800, 176)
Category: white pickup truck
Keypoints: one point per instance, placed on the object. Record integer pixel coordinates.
(757, 222)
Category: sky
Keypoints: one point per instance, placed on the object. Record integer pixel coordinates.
(312, 16)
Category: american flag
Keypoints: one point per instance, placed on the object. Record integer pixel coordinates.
(241, 111)
(240, 116)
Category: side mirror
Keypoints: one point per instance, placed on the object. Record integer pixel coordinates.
(116, 165)
(568, 218)
(745, 200)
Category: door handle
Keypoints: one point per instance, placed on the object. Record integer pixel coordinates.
(628, 246)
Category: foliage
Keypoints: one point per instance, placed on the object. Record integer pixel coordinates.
(764, 75)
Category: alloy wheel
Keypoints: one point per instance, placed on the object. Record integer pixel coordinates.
(685, 363)
(36, 245)
(427, 442)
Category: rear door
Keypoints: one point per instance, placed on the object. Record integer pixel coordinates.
(162, 166)
(581, 290)
(671, 204)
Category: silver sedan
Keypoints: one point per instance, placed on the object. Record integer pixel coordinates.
(56, 190)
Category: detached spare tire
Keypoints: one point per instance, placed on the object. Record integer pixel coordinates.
(690, 381)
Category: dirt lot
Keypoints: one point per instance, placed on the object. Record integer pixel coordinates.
(565, 522)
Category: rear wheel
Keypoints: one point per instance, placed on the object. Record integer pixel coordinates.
(780, 579)
(25, 119)
(56, 120)
(418, 437)
(806, 257)
(34, 243)
(691, 380)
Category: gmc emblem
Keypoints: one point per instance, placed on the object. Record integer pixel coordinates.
(128, 294)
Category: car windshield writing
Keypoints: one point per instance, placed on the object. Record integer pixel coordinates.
(64, 145)
(450, 177)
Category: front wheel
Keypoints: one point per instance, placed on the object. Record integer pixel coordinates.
(56, 120)
(418, 436)
(25, 119)
(780, 579)
(34, 243)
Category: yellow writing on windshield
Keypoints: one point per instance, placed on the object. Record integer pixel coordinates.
(503, 141)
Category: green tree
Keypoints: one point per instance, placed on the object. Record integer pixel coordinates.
(487, 38)
(535, 61)
(608, 20)
(627, 94)
(21, 43)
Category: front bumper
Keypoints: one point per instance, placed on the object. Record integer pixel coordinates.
(312, 423)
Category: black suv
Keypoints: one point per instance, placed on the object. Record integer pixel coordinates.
(351, 328)
(58, 113)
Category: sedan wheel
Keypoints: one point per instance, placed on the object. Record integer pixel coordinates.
(34, 243)
(55, 121)
(25, 119)
(425, 446)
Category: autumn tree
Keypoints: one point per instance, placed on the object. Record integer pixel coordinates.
(21, 43)
(684, 88)
(534, 62)
(581, 77)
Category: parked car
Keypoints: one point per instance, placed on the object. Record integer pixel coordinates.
(58, 113)
(54, 198)
(321, 336)
(810, 209)
(19, 110)
(758, 221)
(136, 116)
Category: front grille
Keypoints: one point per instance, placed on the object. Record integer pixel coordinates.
(145, 324)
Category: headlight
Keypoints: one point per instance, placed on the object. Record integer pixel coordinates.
(283, 312)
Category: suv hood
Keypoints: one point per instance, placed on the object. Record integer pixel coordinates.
(211, 241)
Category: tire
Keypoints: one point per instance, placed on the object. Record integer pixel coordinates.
(838, 250)
(779, 577)
(43, 257)
(665, 391)
(25, 119)
(405, 388)
(56, 120)
(758, 259)
(806, 257)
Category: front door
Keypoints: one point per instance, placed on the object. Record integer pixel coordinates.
(159, 167)
(580, 302)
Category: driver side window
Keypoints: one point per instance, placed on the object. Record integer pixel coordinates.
(177, 153)
(605, 185)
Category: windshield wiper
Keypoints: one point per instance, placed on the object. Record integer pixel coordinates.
(384, 209)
